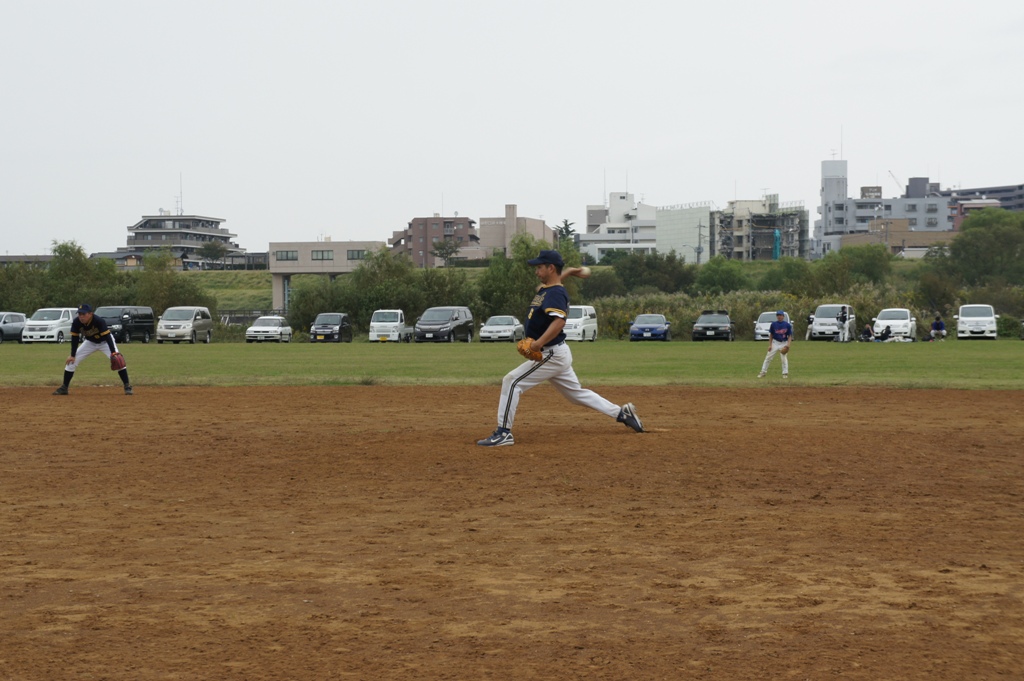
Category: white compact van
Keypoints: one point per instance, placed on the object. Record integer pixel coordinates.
(49, 325)
(825, 323)
(974, 321)
(581, 324)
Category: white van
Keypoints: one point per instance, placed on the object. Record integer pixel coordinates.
(825, 323)
(49, 325)
(581, 324)
(974, 321)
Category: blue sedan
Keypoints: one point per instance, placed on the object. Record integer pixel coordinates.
(650, 327)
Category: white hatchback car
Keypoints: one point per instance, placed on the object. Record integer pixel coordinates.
(272, 328)
(901, 323)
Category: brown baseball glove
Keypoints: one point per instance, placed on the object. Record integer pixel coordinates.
(785, 350)
(117, 361)
(524, 349)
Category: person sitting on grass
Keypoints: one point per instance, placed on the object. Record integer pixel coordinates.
(868, 334)
(885, 336)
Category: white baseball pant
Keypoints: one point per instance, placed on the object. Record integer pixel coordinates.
(772, 351)
(86, 348)
(556, 366)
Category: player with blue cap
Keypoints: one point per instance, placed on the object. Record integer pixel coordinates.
(780, 336)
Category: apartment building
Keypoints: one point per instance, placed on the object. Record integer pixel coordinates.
(422, 235)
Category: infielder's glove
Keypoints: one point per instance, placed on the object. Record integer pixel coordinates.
(785, 350)
(526, 351)
(117, 361)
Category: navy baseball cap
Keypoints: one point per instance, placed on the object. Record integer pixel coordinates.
(547, 258)
(84, 307)
(781, 312)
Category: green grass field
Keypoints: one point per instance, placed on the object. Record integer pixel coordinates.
(951, 364)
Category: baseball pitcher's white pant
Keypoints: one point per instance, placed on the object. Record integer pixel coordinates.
(772, 351)
(556, 366)
(86, 348)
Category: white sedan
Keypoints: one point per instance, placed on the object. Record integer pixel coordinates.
(271, 328)
(502, 328)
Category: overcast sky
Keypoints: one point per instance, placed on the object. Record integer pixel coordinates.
(303, 119)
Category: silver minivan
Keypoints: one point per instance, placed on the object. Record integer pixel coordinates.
(185, 323)
(49, 325)
(581, 324)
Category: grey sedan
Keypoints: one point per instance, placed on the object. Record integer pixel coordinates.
(502, 328)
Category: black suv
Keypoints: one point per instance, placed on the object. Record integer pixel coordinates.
(714, 325)
(445, 324)
(331, 327)
(128, 321)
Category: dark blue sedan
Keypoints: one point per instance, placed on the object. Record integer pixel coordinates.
(650, 327)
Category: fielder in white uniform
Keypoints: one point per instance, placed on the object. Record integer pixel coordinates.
(545, 322)
(780, 335)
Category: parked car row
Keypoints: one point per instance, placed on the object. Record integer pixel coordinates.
(192, 324)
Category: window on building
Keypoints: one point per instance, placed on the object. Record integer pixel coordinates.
(434, 226)
(840, 206)
(323, 255)
(435, 239)
(911, 207)
(840, 221)
(286, 255)
(458, 238)
(932, 208)
(357, 255)
(912, 221)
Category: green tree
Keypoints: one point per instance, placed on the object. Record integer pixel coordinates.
(662, 272)
(23, 287)
(720, 275)
(312, 295)
(990, 248)
(385, 280)
(603, 284)
(872, 263)
(71, 278)
(161, 285)
(212, 251)
(613, 256)
(565, 232)
(445, 249)
(789, 275)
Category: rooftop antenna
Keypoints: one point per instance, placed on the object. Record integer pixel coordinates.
(181, 196)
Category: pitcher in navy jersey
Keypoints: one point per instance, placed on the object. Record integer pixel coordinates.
(545, 321)
(780, 335)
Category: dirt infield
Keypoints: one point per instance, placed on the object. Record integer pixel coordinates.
(358, 533)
